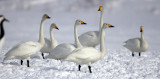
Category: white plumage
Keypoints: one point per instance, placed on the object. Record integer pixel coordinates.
(65, 49)
(51, 43)
(91, 38)
(137, 44)
(26, 49)
(89, 55)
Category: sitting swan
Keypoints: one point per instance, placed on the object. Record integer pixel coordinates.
(89, 55)
(27, 49)
(65, 49)
(137, 44)
(49, 44)
(2, 33)
(91, 38)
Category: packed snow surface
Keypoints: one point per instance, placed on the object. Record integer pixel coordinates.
(126, 15)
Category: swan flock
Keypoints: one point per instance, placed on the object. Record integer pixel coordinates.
(82, 52)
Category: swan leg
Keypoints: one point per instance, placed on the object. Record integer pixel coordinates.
(79, 67)
(90, 69)
(132, 54)
(21, 62)
(27, 63)
(139, 53)
(43, 55)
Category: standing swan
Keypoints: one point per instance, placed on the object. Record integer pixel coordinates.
(63, 50)
(49, 44)
(26, 49)
(2, 33)
(89, 55)
(137, 44)
(91, 38)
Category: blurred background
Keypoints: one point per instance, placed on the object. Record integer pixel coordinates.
(126, 15)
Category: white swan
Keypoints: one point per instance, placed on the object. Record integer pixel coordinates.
(65, 49)
(26, 49)
(89, 55)
(137, 44)
(91, 38)
(49, 44)
(2, 33)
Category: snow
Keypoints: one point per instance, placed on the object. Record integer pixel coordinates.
(126, 15)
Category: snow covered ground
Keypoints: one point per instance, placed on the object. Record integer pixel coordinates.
(126, 15)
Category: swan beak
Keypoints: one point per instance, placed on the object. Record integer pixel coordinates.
(47, 16)
(100, 8)
(6, 20)
(141, 29)
(56, 27)
(109, 25)
(83, 22)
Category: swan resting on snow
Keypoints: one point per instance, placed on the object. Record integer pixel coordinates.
(25, 50)
(2, 33)
(89, 55)
(61, 51)
(91, 38)
(50, 44)
(137, 44)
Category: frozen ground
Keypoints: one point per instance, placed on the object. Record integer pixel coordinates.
(125, 15)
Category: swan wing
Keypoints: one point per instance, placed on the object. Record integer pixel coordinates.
(89, 39)
(133, 44)
(24, 49)
(61, 51)
(84, 55)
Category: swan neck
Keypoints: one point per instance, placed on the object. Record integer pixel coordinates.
(142, 38)
(51, 36)
(102, 47)
(101, 21)
(41, 35)
(2, 29)
(76, 37)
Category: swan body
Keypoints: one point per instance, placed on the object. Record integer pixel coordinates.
(91, 38)
(2, 33)
(89, 55)
(137, 44)
(25, 50)
(63, 50)
(51, 43)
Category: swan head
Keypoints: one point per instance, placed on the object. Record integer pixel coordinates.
(79, 22)
(106, 25)
(141, 29)
(45, 16)
(2, 18)
(100, 8)
(53, 25)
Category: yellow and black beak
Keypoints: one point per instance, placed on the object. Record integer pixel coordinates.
(47, 16)
(110, 26)
(6, 20)
(83, 22)
(56, 27)
(100, 8)
(141, 29)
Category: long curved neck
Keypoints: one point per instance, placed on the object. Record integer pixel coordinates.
(51, 36)
(102, 47)
(101, 21)
(142, 38)
(41, 35)
(76, 37)
(1, 29)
